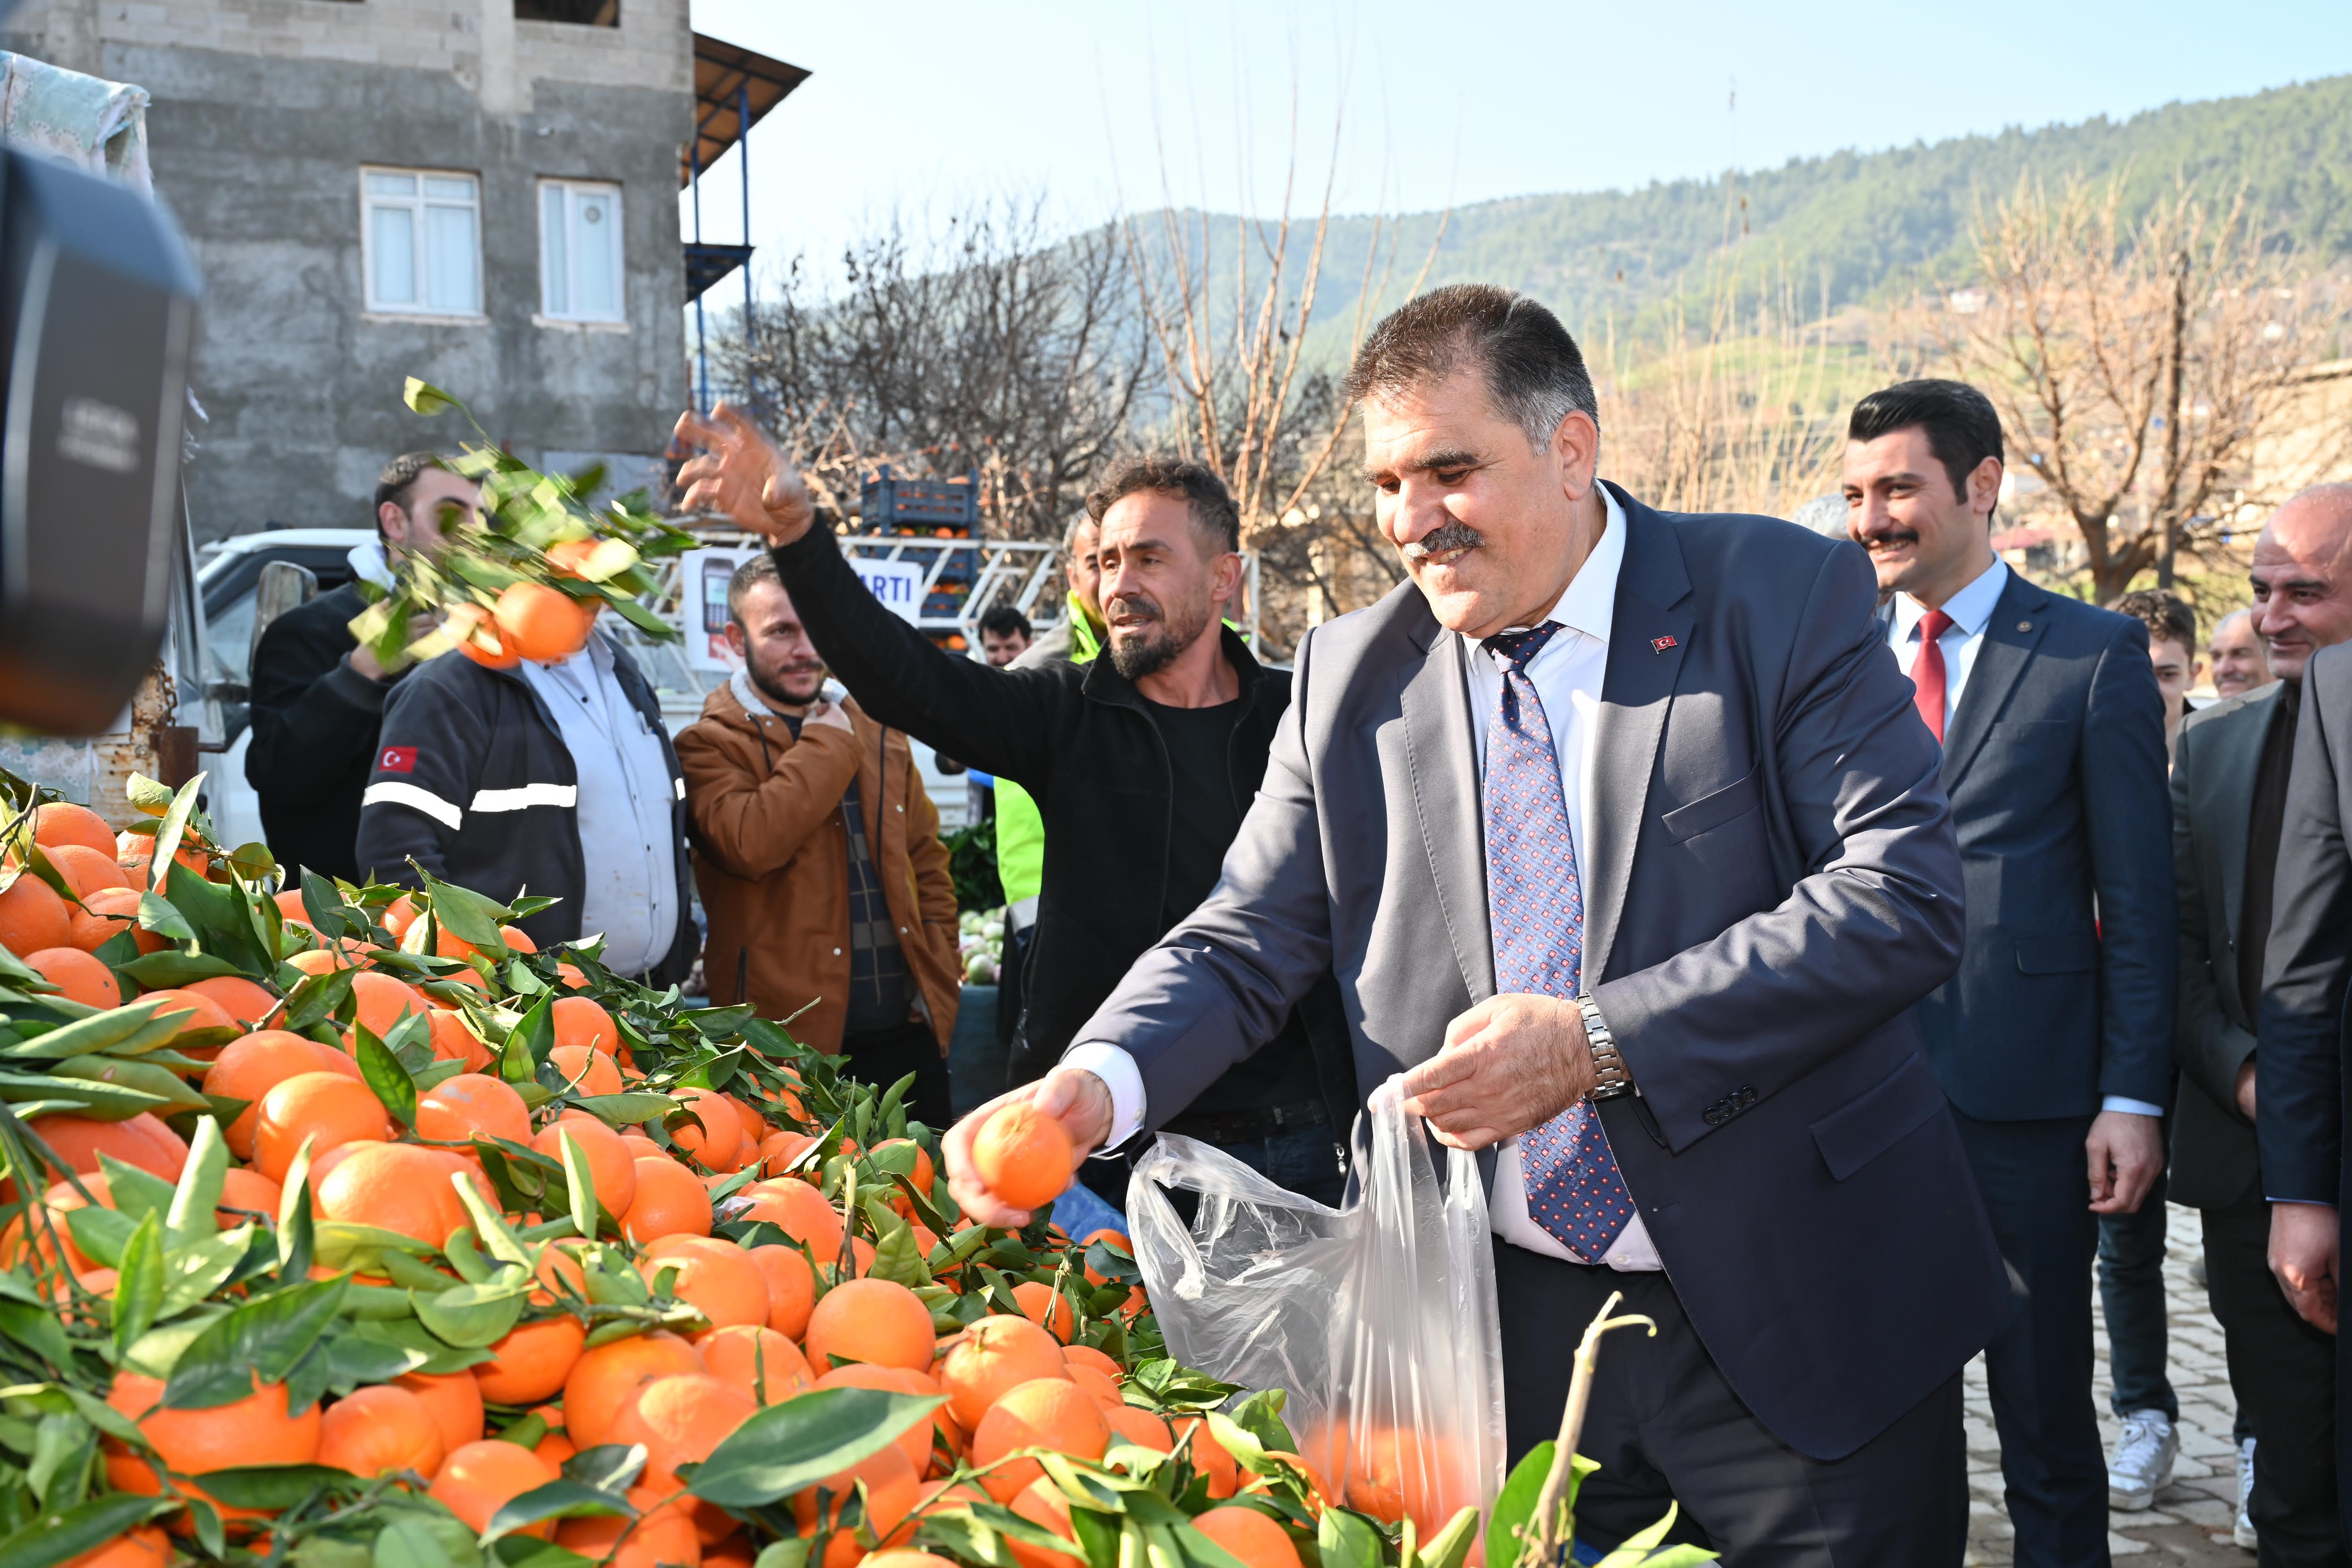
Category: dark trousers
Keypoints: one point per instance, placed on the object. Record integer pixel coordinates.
(883, 1057)
(2037, 1191)
(2131, 1289)
(1666, 1427)
(2284, 1372)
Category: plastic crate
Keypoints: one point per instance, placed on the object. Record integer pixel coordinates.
(895, 504)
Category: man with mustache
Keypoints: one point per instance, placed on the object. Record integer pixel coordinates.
(1623, 839)
(2054, 1040)
(1142, 762)
(817, 852)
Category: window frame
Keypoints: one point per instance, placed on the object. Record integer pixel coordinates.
(420, 247)
(573, 188)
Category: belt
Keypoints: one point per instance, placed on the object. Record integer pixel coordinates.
(1249, 1126)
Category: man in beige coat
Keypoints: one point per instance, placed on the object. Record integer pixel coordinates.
(818, 857)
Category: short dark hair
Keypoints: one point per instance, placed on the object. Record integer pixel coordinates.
(1004, 621)
(2167, 616)
(1534, 372)
(400, 475)
(760, 568)
(1211, 504)
(1962, 429)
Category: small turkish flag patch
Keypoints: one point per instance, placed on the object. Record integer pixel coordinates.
(397, 760)
(1660, 644)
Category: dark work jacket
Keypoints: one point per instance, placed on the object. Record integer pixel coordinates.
(1080, 739)
(474, 783)
(2055, 764)
(314, 721)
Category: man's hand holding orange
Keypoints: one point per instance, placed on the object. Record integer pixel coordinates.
(1073, 1101)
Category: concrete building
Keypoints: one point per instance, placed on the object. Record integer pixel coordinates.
(480, 192)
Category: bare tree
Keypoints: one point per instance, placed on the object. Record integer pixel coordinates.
(2136, 363)
(1001, 352)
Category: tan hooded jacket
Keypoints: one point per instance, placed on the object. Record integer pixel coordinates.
(772, 859)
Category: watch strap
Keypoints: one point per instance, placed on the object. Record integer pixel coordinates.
(1610, 1077)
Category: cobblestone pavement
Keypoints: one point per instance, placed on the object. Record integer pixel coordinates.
(2190, 1520)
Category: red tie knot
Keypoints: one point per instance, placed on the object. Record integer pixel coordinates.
(1932, 624)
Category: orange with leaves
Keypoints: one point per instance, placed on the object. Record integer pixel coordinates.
(1249, 1535)
(532, 1362)
(717, 1277)
(146, 1547)
(891, 1492)
(78, 976)
(758, 1360)
(1045, 1307)
(878, 1322)
(141, 1141)
(716, 1136)
(58, 823)
(380, 1428)
(240, 998)
(540, 623)
(1041, 1502)
(792, 1288)
(915, 1442)
(588, 1070)
(32, 916)
(472, 1105)
(478, 1479)
(668, 1202)
(259, 1429)
(993, 1357)
(1048, 1412)
(393, 1187)
(252, 1065)
(681, 1419)
(611, 1166)
(605, 1379)
(326, 1109)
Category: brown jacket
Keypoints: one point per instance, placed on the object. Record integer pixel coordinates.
(772, 858)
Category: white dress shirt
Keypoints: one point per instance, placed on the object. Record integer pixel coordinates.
(628, 837)
(1971, 611)
(1567, 675)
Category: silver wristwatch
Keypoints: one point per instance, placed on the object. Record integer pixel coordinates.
(1610, 1077)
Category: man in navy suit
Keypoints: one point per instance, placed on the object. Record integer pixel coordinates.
(2054, 1040)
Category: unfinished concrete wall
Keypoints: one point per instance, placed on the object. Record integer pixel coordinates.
(264, 113)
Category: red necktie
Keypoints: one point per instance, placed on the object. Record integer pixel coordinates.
(1928, 671)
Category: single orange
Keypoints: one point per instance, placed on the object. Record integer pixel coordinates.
(146, 1547)
(384, 1000)
(1087, 1355)
(715, 1276)
(1041, 1502)
(393, 1187)
(610, 1164)
(605, 1379)
(259, 1429)
(792, 1288)
(517, 939)
(195, 1013)
(85, 869)
(378, 1428)
(60, 822)
(325, 1108)
(246, 1193)
(454, 1398)
(320, 960)
(540, 623)
(480, 1478)
(105, 914)
(569, 974)
(660, 1538)
(797, 1209)
(915, 1442)
(586, 1068)
(78, 976)
(559, 1264)
(758, 1360)
(1140, 1428)
(1101, 1389)
(1045, 1307)
(1249, 1535)
(454, 1041)
(668, 1202)
(472, 1105)
(993, 1357)
(1049, 1412)
(532, 1360)
(577, 1021)
(243, 1000)
(135, 853)
(469, 626)
(878, 1322)
(1210, 1456)
(923, 1175)
(397, 916)
(754, 1125)
(32, 916)
(681, 1419)
(780, 1151)
(714, 1139)
(1023, 1156)
(141, 1141)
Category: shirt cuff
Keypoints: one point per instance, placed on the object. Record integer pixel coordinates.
(1121, 1077)
(2132, 1107)
(2310, 1203)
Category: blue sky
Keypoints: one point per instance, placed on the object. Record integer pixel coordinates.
(920, 107)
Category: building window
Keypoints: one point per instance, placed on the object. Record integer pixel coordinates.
(423, 241)
(579, 252)
(582, 13)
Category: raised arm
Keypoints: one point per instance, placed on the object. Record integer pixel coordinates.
(1001, 722)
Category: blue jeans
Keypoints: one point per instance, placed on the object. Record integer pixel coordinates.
(2131, 1289)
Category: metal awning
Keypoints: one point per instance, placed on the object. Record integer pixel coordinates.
(733, 89)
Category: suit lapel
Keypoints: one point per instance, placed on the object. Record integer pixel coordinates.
(2010, 635)
(1436, 704)
(1650, 630)
(2221, 813)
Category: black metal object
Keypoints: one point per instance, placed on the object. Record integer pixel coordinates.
(707, 263)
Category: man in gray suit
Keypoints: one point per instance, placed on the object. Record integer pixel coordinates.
(2229, 800)
(1625, 841)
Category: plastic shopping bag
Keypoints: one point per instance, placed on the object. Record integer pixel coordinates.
(1378, 1317)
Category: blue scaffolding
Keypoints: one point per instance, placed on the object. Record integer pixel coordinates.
(734, 88)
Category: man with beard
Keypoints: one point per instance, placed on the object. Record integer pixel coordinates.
(819, 859)
(1142, 762)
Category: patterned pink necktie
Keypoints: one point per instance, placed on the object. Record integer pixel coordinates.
(1537, 907)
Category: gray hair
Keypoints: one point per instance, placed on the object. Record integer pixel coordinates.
(1534, 372)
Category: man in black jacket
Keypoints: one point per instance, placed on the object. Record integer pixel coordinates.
(318, 697)
(1143, 762)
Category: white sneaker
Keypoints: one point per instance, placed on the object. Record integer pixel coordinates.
(2242, 1531)
(2142, 1464)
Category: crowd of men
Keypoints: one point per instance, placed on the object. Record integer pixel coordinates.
(1835, 950)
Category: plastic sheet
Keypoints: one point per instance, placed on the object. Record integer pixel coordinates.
(1379, 1318)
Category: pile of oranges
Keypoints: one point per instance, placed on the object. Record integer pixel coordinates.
(454, 1215)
